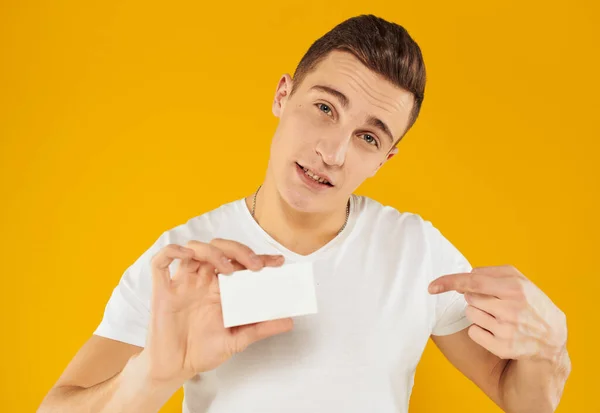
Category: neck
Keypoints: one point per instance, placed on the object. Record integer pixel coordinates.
(300, 232)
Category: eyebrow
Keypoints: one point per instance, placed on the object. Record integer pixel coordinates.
(372, 121)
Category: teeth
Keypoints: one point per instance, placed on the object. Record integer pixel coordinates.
(315, 177)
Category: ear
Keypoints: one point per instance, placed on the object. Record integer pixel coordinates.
(284, 87)
(389, 156)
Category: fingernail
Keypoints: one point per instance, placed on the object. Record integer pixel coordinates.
(434, 289)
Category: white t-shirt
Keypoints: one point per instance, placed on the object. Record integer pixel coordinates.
(358, 353)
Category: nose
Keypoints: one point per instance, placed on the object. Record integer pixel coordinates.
(333, 149)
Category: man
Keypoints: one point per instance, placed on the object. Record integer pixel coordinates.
(385, 281)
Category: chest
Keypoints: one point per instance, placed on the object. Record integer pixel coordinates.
(373, 322)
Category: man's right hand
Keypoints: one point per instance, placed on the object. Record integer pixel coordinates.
(186, 334)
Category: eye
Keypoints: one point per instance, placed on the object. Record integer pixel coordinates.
(370, 140)
(324, 108)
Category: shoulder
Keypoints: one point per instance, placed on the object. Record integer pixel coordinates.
(199, 228)
(387, 219)
(410, 232)
(203, 227)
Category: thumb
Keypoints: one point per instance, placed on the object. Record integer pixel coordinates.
(252, 333)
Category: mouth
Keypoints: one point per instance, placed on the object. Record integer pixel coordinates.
(319, 180)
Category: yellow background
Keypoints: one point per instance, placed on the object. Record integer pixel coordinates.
(121, 119)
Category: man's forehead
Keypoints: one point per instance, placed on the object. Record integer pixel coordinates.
(337, 58)
(343, 71)
(337, 64)
(351, 90)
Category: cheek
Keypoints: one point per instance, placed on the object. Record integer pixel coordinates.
(356, 166)
(287, 142)
(300, 130)
(359, 166)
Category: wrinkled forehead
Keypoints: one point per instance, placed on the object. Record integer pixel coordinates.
(344, 70)
(343, 62)
(362, 91)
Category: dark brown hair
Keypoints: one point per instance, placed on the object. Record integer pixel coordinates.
(384, 47)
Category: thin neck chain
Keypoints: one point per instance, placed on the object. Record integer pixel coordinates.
(341, 229)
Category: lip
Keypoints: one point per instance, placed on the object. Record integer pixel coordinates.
(317, 172)
(309, 182)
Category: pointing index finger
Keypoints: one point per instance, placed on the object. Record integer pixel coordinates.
(469, 282)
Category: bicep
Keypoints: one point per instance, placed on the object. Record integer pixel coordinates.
(475, 362)
(97, 360)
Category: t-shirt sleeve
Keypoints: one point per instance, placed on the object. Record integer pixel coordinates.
(127, 313)
(450, 306)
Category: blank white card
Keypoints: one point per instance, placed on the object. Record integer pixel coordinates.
(271, 293)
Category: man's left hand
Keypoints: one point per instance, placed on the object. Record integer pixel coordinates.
(512, 318)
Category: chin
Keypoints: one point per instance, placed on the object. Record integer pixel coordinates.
(298, 199)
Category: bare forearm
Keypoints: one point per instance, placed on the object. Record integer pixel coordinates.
(529, 386)
(78, 399)
(128, 391)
